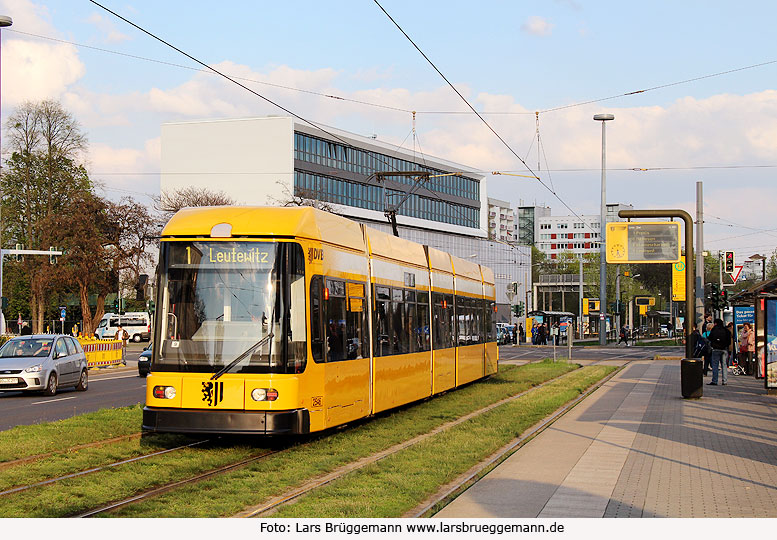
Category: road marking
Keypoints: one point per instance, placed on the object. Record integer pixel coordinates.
(52, 400)
(135, 376)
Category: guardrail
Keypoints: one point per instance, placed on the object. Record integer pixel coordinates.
(102, 352)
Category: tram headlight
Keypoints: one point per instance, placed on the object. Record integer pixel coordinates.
(164, 392)
(264, 394)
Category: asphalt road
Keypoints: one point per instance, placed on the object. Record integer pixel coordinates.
(108, 387)
(120, 387)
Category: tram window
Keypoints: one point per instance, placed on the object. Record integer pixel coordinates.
(488, 320)
(316, 320)
(477, 320)
(422, 325)
(355, 323)
(296, 355)
(400, 337)
(443, 313)
(335, 321)
(382, 321)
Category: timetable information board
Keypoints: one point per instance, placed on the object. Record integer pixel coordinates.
(643, 242)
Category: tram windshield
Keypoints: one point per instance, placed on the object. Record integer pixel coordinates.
(217, 300)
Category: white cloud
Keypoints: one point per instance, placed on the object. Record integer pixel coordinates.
(34, 70)
(107, 28)
(537, 26)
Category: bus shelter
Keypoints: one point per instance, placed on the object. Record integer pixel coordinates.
(763, 298)
(562, 321)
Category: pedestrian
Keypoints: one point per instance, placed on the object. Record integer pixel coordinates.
(732, 351)
(623, 336)
(541, 335)
(515, 334)
(121, 334)
(534, 334)
(521, 334)
(746, 348)
(720, 338)
(705, 333)
(26, 330)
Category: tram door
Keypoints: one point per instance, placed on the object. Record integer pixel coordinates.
(346, 384)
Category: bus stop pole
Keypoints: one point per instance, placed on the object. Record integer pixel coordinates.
(692, 383)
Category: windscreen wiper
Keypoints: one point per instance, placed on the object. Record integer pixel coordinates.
(234, 362)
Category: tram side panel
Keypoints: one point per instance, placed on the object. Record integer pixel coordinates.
(443, 333)
(470, 353)
(338, 386)
(402, 358)
(489, 312)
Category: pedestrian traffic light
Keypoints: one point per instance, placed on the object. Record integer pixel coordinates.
(730, 262)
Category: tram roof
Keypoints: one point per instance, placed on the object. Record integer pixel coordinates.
(302, 222)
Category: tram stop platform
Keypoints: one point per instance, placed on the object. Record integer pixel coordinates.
(635, 448)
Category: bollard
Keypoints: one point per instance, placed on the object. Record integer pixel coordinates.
(691, 378)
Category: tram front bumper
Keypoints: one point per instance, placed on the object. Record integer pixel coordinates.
(163, 420)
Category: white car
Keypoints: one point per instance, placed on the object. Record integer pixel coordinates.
(43, 362)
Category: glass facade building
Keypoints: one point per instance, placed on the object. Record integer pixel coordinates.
(336, 173)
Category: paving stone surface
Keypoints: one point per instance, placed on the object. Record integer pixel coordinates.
(635, 448)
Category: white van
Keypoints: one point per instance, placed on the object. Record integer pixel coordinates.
(136, 323)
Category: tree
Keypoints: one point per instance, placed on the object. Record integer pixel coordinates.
(169, 202)
(101, 240)
(44, 173)
(300, 197)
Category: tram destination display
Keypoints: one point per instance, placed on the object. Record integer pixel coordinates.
(643, 242)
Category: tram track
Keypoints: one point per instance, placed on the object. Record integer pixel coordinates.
(274, 502)
(94, 444)
(266, 509)
(449, 492)
(100, 468)
(307, 486)
(174, 485)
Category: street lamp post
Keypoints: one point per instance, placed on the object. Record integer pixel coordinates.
(602, 234)
(5, 21)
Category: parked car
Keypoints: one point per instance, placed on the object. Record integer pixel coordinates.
(44, 362)
(144, 361)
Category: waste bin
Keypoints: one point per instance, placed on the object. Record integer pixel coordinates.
(691, 378)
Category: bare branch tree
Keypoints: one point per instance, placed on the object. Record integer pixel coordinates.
(169, 202)
(300, 197)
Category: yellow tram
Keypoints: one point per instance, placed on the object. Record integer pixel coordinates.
(293, 320)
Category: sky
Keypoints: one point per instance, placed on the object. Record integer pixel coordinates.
(702, 117)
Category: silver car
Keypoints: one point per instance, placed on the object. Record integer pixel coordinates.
(43, 362)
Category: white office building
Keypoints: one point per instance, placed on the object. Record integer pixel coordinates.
(501, 220)
(260, 161)
(554, 235)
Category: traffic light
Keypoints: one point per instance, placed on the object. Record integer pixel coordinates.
(19, 257)
(729, 262)
(723, 299)
(52, 257)
(150, 307)
(520, 309)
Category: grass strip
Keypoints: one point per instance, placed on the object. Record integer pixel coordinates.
(61, 464)
(24, 441)
(76, 495)
(232, 492)
(399, 483)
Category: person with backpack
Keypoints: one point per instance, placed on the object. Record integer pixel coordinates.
(121, 334)
(720, 338)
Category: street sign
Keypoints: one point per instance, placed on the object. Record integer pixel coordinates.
(737, 272)
(645, 300)
(643, 242)
(62, 311)
(678, 280)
